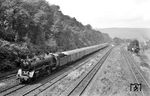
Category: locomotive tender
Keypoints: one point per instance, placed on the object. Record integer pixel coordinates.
(31, 69)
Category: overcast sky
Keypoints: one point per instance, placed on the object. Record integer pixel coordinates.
(108, 13)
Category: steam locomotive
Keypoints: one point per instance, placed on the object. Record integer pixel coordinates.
(32, 69)
(134, 46)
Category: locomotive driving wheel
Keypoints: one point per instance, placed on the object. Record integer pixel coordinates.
(22, 81)
(35, 76)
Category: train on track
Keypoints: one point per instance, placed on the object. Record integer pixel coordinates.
(32, 69)
(134, 46)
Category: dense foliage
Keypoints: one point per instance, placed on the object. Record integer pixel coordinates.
(42, 27)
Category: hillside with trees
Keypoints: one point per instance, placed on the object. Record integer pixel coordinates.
(33, 27)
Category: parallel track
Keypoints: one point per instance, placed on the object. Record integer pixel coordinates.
(84, 80)
(8, 75)
(16, 88)
(81, 86)
(137, 74)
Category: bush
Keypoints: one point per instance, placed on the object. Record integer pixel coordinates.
(6, 65)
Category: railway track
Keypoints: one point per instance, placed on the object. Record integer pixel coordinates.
(79, 87)
(12, 75)
(22, 89)
(137, 74)
(75, 88)
(9, 80)
(8, 75)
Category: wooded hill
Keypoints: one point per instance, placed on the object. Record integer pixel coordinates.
(41, 27)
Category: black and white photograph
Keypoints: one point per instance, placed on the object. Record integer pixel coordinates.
(74, 47)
